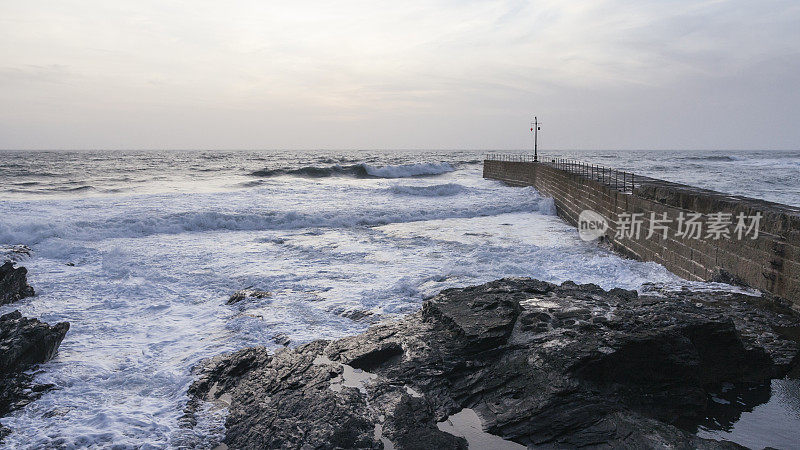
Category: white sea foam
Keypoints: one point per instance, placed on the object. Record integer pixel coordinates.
(152, 272)
(97, 219)
(436, 190)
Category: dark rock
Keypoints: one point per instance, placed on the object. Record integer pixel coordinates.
(281, 339)
(57, 412)
(624, 293)
(355, 314)
(723, 276)
(247, 293)
(542, 365)
(23, 344)
(13, 283)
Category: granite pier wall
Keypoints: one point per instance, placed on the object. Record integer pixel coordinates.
(770, 262)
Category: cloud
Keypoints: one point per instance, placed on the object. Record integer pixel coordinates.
(168, 67)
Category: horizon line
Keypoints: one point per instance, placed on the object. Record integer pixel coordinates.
(517, 150)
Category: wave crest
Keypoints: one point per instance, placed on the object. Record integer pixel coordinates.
(409, 170)
(356, 170)
(360, 171)
(154, 223)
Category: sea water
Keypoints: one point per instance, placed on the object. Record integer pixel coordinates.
(140, 251)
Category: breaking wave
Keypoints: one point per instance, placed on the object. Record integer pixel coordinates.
(360, 171)
(357, 171)
(153, 223)
(409, 170)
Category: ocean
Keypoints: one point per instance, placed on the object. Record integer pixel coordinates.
(140, 251)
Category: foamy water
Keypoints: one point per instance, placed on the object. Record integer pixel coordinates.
(140, 251)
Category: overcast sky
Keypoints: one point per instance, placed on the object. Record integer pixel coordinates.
(608, 74)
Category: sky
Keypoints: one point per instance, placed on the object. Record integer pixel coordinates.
(434, 74)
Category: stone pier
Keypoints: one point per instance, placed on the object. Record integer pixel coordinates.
(770, 262)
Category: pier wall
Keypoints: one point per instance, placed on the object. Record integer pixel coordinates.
(771, 262)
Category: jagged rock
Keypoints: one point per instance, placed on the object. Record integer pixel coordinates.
(245, 293)
(24, 343)
(281, 339)
(13, 283)
(542, 365)
(354, 314)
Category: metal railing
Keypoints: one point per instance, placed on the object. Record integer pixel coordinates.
(508, 157)
(617, 179)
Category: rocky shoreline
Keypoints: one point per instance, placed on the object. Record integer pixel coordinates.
(507, 364)
(539, 364)
(14, 283)
(24, 343)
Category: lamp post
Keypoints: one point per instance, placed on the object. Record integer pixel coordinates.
(535, 129)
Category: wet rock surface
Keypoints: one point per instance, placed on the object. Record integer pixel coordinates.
(354, 314)
(24, 343)
(13, 283)
(542, 365)
(249, 292)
